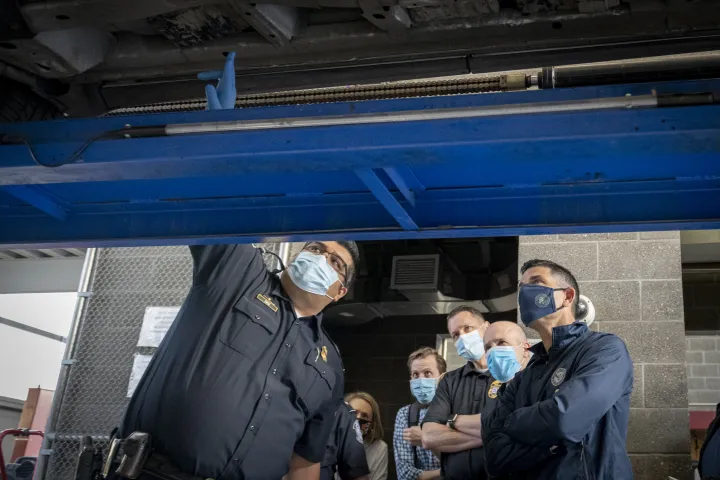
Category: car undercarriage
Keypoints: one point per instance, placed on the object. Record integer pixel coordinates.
(87, 57)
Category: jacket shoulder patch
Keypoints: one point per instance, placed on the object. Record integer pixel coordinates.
(558, 377)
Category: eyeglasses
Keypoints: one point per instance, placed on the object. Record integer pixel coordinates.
(337, 263)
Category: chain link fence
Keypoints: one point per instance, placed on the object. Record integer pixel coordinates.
(124, 281)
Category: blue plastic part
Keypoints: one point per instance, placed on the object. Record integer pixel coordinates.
(580, 172)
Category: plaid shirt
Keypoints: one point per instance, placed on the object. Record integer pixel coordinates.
(404, 461)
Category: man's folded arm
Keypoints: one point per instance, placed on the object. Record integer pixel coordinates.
(603, 375)
(503, 453)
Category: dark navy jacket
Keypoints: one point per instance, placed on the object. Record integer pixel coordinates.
(709, 465)
(566, 415)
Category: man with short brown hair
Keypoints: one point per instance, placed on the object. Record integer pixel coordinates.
(413, 462)
(452, 424)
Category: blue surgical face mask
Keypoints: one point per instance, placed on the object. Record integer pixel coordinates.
(536, 302)
(503, 363)
(312, 273)
(423, 389)
(470, 346)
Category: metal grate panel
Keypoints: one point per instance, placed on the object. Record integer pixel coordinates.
(413, 272)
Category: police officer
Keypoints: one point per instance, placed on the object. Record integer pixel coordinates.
(345, 452)
(247, 381)
(567, 413)
(451, 425)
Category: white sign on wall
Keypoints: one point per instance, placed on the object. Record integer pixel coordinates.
(156, 323)
(140, 364)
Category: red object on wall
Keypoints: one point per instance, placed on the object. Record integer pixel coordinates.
(701, 420)
(34, 417)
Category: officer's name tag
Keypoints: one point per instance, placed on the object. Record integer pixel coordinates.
(267, 302)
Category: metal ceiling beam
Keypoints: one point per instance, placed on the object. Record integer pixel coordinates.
(29, 329)
(38, 198)
(387, 199)
(561, 172)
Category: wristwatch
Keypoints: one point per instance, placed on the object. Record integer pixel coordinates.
(451, 422)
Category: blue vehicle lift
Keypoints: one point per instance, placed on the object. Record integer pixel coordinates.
(412, 172)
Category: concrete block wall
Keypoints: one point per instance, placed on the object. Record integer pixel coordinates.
(634, 280)
(703, 371)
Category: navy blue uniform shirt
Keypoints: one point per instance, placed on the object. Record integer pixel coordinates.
(464, 391)
(239, 382)
(345, 451)
(565, 415)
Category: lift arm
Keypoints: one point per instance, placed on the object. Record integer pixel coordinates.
(536, 171)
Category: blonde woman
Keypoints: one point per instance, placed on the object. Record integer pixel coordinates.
(368, 415)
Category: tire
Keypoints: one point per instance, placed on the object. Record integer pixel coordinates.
(18, 103)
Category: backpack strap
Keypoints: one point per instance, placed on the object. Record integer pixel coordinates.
(414, 421)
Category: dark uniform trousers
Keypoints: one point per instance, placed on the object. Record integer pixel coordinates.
(239, 383)
(464, 391)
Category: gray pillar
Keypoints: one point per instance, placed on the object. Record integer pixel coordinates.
(634, 280)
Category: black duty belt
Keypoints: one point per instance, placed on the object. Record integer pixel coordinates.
(161, 468)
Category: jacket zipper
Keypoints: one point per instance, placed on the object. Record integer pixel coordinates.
(582, 459)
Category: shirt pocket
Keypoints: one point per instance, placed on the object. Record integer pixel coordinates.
(318, 381)
(249, 328)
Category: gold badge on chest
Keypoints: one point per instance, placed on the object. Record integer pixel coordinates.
(267, 302)
(494, 388)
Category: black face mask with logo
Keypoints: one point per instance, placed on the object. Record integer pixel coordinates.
(536, 302)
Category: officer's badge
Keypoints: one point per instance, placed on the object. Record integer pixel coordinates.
(358, 433)
(558, 376)
(494, 388)
(542, 300)
(267, 302)
(323, 353)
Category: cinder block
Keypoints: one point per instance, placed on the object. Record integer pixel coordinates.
(654, 467)
(662, 300)
(658, 430)
(594, 237)
(579, 258)
(538, 239)
(704, 396)
(614, 301)
(651, 342)
(637, 399)
(700, 343)
(712, 384)
(705, 370)
(696, 383)
(712, 357)
(660, 235)
(693, 357)
(665, 386)
(633, 260)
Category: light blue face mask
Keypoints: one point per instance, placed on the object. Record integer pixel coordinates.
(423, 389)
(470, 346)
(503, 363)
(312, 273)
